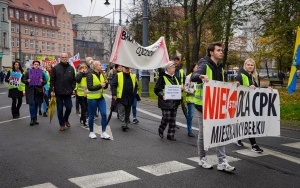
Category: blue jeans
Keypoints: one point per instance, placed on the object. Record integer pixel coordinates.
(45, 106)
(62, 100)
(134, 104)
(189, 123)
(93, 104)
(33, 109)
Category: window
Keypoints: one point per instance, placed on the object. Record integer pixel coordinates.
(68, 25)
(31, 31)
(26, 29)
(68, 48)
(59, 47)
(48, 33)
(31, 44)
(30, 17)
(48, 21)
(17, 42)
(52, 22)
(11, 13)
(17, 14)
(36, 31)
(53, 46)
(58, 35)
(48, 46)
(3, 14)
(63, 36)
(43, 46)
(5, 43)
(68, 36)
(63, 24)
(36, 19)
(53, 34)
(26, 43)
(25, 16)
(43, 32)
(17, 28)
(12, 27)
(36, 45)
(12, 42)
(43, 20)
(58, 23)
(64, 48)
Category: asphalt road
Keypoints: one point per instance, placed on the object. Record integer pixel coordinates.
(42, 156)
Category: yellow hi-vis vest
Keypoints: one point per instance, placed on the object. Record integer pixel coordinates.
(82, 87)
(245, 80)
(121, 83)
(190, 97)
(20, 88)
(198, 100)
(167, 81)
(181, 72)
(98, 93)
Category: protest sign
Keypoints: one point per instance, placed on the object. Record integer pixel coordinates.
(172, 92)
(35, 76)
(15, 79)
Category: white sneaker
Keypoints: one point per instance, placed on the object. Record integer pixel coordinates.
(105, 136)
(92, 135)
(204, 164)
(224, 166)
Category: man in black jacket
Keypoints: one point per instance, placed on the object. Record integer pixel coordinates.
(62, 84)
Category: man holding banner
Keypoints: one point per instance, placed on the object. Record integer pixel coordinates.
(209, 69)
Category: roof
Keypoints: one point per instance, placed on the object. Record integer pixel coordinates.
(57, 8)
(42, 7)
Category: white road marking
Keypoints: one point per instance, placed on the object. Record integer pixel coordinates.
(165, 168)
(103, 179)
(44, 185)
(213, 160)
(3, 107)
(278, 154)
(3, 93)
(250, 153)
(293, 145)
(1, 122)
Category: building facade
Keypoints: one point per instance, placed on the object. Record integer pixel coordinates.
(5, 55)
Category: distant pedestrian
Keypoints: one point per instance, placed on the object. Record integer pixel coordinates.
(34, 81)
(136, 98)
(62, 84)
(16, 88)
(167, 106)
(96, 83)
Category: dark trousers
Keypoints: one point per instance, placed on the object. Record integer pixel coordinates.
(168, 117)
(124, 113)
(15, 106)
(83, 104)
(61, 101)
(77, 103)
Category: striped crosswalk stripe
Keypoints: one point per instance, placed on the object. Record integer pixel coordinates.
(44, 185)
(165, 168)
(103, 179)
(293, 145)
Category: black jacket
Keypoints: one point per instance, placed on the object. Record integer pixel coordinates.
(250, 78)
(89, 82)
(158, 90)
(62, 79)
(128, 91)
(217, 73)
(79, 76)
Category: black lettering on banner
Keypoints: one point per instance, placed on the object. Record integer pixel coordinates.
(144, 52)
(249, 127)
(253, 128)
(223, 132)
(214, 135)
(271, 106)
(263, 102)
(240, 104)
(263, 127)
(256, 113)
(247, 108)
(258, 129)
(246, 128)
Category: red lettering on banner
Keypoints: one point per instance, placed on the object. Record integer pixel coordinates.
(209, 102)
(222, 102)
(232, 106)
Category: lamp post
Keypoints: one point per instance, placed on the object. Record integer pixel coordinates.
(20, 47)
(120, 10)
(145, 73)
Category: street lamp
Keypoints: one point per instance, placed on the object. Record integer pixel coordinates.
(20, 47)
(120, 20)
(145, 73)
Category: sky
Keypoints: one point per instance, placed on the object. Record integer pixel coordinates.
(96, 8)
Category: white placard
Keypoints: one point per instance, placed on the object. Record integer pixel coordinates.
(172, 92)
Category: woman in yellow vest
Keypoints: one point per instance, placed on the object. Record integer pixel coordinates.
(82, 91)
(16, 88)
(96, 83)
(248, 76)
(189, 88)
(168, 107)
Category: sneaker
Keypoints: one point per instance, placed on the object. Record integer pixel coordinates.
(40, 112)
(224, 166)
(45, 114)
(177, 126)
(191, 135)
(92, 135)
(256, 148)
(135, 121)
(239, 143)
(105, 136)
(204, 164)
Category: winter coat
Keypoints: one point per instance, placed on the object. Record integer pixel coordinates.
(62, 79)
(158, 90)
(250, 78)
(14, 92)
(30, 90)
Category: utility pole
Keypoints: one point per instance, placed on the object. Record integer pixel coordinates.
(145, 73)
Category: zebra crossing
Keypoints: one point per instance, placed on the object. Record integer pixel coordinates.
(165, 168)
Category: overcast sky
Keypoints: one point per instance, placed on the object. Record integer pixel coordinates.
(96, 8)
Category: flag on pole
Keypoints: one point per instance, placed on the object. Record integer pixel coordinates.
(295, 63)
(74, 61)
(127, 52)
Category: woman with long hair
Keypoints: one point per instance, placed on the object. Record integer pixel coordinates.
(15, 88)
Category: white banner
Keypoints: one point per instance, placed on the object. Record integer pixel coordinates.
(127, 52)
(231, 113)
